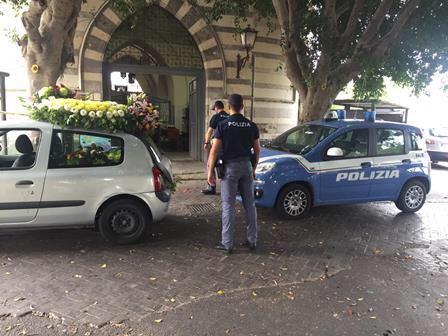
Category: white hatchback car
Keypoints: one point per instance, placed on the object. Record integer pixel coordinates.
(437, 143)
(58, 178)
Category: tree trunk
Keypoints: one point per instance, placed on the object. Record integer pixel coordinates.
(314, 105)
(48, 46)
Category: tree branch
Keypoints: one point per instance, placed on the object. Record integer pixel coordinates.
(294, 72)
(31, 20)
(384, 44)
(281, 9)
(353, 20)
(330, 15)
(375, 23)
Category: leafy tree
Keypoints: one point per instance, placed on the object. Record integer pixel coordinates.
(328, 43)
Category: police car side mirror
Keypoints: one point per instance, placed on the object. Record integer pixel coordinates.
(335, 152)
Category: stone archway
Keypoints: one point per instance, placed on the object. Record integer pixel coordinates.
(105, 23)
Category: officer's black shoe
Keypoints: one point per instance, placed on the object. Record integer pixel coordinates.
(209, 190)
(252, 247)
(221, 247)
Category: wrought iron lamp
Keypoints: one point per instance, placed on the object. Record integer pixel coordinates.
(248, 39)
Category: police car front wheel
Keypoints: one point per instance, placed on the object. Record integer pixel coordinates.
(412, 196)
(294, 201)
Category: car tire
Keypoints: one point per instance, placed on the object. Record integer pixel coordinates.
(412, 196)
(294, 202)
(123, 221)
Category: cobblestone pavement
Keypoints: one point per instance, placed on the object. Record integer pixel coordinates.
(73, 278)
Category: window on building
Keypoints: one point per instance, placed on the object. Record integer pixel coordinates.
(389, 141)
(73, 150)
(353, 143)
(18, 148)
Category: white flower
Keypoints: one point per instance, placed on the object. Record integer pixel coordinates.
(52, 98)
(99, 114)
(115, 113)
(92, 114)
(42, 92)
(74, 110)
(46, 102)
(67, 107)
(83, 113)
(109, 115)
(121, 113)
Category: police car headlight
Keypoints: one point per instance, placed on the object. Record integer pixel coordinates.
(265, 167)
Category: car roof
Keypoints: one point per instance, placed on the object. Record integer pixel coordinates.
(29, 123)
(342, 123)
(25, 123)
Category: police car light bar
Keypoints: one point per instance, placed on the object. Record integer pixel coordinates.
(331, 116)
(369, 116)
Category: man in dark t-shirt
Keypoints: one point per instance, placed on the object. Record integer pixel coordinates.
(236, 137)
(219, 116)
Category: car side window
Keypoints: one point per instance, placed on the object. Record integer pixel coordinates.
(389, 141)
(18, 148)
(76, 150)
(417, 142)
(353, 143)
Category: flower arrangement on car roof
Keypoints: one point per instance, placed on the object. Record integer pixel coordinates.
(67, 108)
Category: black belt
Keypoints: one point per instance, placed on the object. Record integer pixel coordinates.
(240, 159)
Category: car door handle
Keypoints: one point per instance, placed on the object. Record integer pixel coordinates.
(366, 164)
(406, 161)
(24, 183)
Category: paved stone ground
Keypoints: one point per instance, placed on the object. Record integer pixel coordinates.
(175, 283)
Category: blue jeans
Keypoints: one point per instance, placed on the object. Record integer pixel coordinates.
(238, 177)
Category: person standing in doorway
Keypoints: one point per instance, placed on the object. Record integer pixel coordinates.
(219, 116)
(236, 138)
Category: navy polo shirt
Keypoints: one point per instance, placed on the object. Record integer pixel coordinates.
(237, 134)
(217, 118)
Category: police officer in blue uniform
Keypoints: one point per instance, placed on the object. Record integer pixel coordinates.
(237, 138)
(219, 116)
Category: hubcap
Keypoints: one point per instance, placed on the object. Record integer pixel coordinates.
(295, 202)
(414, 196)
(124, 222)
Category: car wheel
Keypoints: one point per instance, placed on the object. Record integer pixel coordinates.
(293, 202)
(123, 222)
(412, 196)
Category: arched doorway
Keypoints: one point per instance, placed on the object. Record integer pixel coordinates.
(155, 57)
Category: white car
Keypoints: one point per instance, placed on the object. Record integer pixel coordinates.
(437, 143)
(58, 178)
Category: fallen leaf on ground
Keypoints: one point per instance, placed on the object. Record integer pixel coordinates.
(153, 279)
(78, 276)
(378, 252)
(440, 302)
(103, 266)
(254, 294)
(158, 321)
(373, 317)
(220, 292)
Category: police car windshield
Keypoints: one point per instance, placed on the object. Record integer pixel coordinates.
(301, 139)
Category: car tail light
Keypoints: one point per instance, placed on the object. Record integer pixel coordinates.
(158, 179)
(430, 142)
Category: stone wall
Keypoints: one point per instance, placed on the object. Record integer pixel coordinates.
(275, 100)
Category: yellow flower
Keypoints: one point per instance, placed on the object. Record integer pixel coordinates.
(34, 68)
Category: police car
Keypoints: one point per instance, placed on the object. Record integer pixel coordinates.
(341, 161)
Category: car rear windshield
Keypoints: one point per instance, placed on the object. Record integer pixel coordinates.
(301, 139)
(439, 132)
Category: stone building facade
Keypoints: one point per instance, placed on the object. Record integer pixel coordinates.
(174, 35)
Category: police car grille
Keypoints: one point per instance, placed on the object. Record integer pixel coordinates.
(202, 208)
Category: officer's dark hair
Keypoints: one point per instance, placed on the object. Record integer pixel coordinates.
(236, 102)
(219, 104)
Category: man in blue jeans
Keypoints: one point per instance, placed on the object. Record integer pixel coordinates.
(236, 137)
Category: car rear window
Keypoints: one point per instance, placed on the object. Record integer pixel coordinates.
(70, 149)
(417, 142)
(439, 132)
